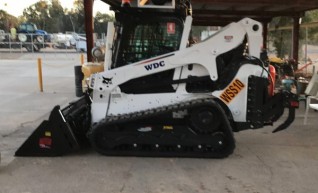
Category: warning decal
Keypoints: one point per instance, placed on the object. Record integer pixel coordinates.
(171, 28)
(232, 91)
(45, 143)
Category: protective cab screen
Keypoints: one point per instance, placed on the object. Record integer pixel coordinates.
(143, 40)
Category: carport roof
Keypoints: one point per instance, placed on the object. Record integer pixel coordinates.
(222, 12)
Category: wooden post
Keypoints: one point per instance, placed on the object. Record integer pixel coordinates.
(296, 40)
(82, 59)
(40, 74)
(265, 31)
(89, 28)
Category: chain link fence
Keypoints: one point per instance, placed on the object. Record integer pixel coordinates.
(69, 42)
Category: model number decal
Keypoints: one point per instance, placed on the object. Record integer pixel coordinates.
(155, 65)
(232, 91)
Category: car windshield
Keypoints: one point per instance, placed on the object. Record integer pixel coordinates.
(28, 27)
(34, 27)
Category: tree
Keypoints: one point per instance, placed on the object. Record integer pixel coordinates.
(6, 20)
(47, 15)
(3, 20)
(312, 16)
(77, 16)
(56, 19)
(100, 22)
(38, 13)
(281, 38)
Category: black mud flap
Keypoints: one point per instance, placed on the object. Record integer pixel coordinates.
(63, 133)
(290, 101)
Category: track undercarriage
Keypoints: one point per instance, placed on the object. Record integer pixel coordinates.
(204, 131)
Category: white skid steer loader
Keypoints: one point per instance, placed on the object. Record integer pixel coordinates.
(159, 95)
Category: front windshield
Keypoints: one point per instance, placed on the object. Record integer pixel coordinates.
(30, 28)
(143, 40)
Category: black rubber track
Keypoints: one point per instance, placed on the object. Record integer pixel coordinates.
(120, 135)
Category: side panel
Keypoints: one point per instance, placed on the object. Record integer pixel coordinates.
(123, 103)
(235, 97)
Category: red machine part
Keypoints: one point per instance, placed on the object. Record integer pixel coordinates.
(272, 79)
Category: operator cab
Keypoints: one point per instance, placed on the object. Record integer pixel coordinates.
(141, 34)
(141, 38)
(147, 29)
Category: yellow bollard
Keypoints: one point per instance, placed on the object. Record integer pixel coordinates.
(40, 74)
(82, 59)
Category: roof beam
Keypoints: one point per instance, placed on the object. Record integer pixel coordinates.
(113, 3)
(309, 3)
(222, 21)
(246, 13)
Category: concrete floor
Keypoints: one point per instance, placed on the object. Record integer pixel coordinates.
(285, 162)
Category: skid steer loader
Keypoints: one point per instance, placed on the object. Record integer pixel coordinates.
(159, 95)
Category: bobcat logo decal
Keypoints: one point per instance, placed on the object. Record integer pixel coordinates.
(107, 80)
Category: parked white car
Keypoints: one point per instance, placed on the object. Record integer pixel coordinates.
(2, 35)
(61, 40)
(80, 45)
(70, 40)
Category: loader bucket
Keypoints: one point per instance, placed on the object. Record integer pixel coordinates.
(63, 133)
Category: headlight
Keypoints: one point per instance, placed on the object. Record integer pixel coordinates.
(91, 81)
(98, 53)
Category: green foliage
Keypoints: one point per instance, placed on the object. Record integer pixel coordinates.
(56, 19)
(77, 16)
(282, 38)
(6, 20)
(196, 31)
(3, 20)
(100, 22)
(38, 13)
(49, 15)
(312, 16)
